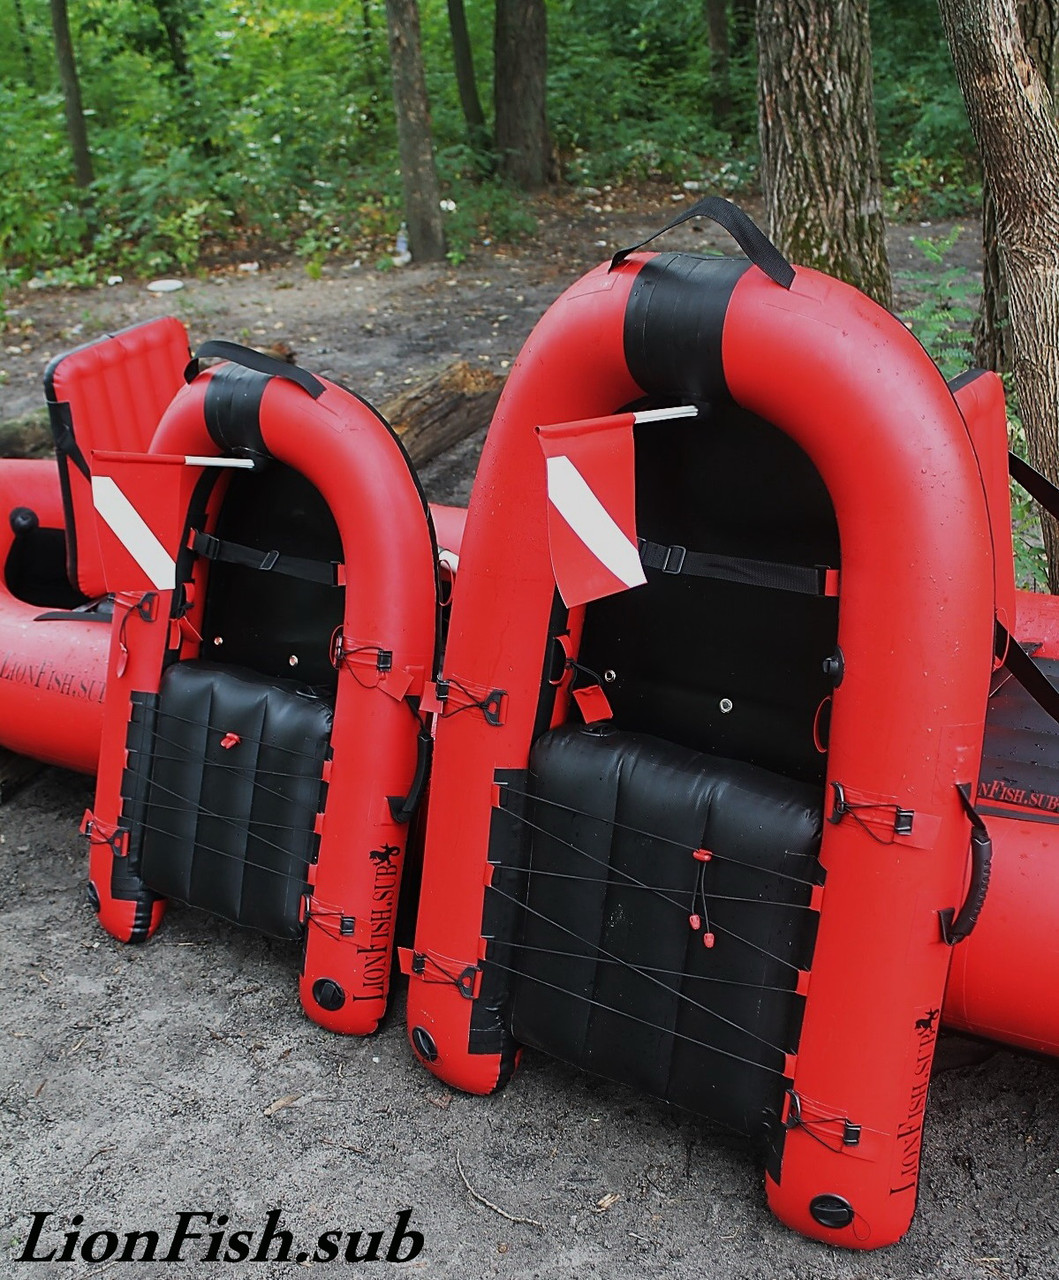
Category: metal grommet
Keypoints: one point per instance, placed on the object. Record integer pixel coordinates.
(726, 705)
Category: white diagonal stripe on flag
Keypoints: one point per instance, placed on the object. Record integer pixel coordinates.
(132, 531)
(569, 493)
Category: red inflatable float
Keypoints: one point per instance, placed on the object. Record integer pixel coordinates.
(263, 749)
(53, 618)
(703, 821)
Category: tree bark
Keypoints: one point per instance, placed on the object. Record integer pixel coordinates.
(466, 81)
(1039, 23)
(819, 154)
(1012, 116)
(444, 409)
(520, 50)
(419, 177)
(75, 115)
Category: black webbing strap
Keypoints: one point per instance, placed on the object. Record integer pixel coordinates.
(256, 360)
(818, 580)
(743, 230)
(322, 571)
(1037, 486)
(1026, 671)
(62, 430)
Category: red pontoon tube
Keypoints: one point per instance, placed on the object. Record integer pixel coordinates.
(815, 410)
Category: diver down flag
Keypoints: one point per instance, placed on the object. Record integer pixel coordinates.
(592, 503)
(592, 507)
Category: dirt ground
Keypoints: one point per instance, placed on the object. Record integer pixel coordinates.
(181, 1076)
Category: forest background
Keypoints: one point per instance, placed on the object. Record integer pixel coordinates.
(269, 126)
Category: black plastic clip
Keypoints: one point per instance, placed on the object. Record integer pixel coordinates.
(117, 837)
(347, 926)
(903, 819)
(466, 981)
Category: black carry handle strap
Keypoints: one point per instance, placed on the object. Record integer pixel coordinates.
(403, 807)
(256, 360)
(957, 926)
(743, 230)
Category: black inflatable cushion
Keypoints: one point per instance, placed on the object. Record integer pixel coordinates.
(234, 793)
(615, 975)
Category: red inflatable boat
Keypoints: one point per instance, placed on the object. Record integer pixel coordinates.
(711, 718)
(740, 714)
(274, 568)
(54, 618)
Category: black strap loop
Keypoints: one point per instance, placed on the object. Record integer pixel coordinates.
(1026, 671)
(322, 571)
(743, 230)
(256, 360)
(955, 927)
(1037, 486)
(62, 430)
(403, 807)
(818, 580)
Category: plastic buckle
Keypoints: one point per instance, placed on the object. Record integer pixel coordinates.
(205, 544)
(674, 559)
(269, 561)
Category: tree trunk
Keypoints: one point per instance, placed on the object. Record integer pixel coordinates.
(520, 50)
(1039, 23)
(419, 177)
(24, 44)
(819, 154)
(716, 15)
(466, 82)
(1013, 119)
(75, 116)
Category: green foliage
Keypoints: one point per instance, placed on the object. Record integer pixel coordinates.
(270, 124)
(630, 92)
(930, 165)
(1031, 563)
(944, 316)
(943, 320)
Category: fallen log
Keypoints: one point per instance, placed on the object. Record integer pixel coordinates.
(26, 437)
(444, 409)
(430, 416)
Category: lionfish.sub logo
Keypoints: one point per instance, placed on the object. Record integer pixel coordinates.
(385, 855)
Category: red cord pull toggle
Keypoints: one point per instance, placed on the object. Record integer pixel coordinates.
(701, 855)
(708, 939)
(695, 922)
(230, 740)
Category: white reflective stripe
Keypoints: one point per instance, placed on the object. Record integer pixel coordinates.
(192, 461)
(133, 533)
(663, 415)
(569, 493)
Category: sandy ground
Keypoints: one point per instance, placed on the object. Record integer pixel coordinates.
(181, 1076)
